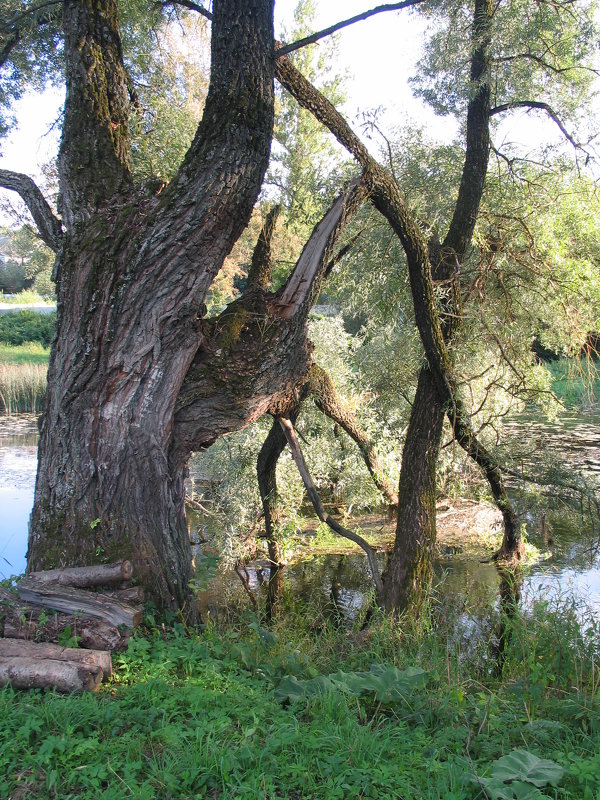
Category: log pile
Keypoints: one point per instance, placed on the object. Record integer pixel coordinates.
(54, 608)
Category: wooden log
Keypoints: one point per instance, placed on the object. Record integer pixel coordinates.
(65, 598)
(15, 648)
(86, 577)
(130, 594)
(64, 676)
(20, 621)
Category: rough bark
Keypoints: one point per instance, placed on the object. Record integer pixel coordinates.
(130, 287)
(15, 648)
(67, 599)
(86, 577)
(409, 570)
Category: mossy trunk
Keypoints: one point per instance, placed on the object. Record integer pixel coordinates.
(132, 275)
(407, 577)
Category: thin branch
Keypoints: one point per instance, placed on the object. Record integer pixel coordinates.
(28, 13)
(242, 573)
(311, 489)
(546, 65)
(49, 226)
(191, 6)
(537, 105)
(314, 37)
(343, 251)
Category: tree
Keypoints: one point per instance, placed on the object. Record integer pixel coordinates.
(430, 259)
(139, 376)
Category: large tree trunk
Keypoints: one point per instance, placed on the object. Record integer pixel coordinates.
(137, 378)
(132, 275)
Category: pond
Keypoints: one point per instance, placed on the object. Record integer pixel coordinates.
(340, 584)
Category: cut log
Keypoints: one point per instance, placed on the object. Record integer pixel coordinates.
(65, 598)
(20, 621)
(92, 633)
(64, 676)
(130, 594)
(14, 648)
(86, 577)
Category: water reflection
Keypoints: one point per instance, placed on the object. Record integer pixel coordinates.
(18, 462)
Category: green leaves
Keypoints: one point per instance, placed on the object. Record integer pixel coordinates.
(523, 765)
(519, 776)
(387, 684)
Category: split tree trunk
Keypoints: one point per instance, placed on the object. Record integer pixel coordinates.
(132, 276)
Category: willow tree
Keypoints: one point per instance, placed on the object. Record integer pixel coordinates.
(486, 61)
(137, 379)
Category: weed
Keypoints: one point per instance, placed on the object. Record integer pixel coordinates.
(22, 388)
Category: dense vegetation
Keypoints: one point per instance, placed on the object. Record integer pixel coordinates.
(27, 326)
(250, 712)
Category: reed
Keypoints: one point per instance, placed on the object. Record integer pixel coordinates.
(22, 388)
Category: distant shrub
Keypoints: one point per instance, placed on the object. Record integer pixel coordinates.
(27, 326)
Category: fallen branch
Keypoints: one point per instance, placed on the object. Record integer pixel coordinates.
(15, 648)
(65, 598)
(290, 435)
(64, 676)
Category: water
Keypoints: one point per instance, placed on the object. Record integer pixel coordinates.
(338, 584)
(18, 460)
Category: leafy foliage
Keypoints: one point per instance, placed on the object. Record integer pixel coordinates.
(27, 326)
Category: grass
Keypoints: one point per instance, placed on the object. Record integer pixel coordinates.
(205, 716)
(26, 297)
(23, 371)
(22, 388)
(27, 353)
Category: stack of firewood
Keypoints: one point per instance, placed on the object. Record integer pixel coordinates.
(55, 608)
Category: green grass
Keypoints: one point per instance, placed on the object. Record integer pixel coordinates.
(27, 296)
(201, 716)
(576, 383)
(27, 353)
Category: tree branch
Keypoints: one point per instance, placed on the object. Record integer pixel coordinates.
(314, 37)
(329, 403)
(537, 105)
(48, 225)
(191, 6)
(303, 285)
(311, 489)
(261, 266)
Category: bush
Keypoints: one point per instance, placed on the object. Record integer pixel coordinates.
(27, 326)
